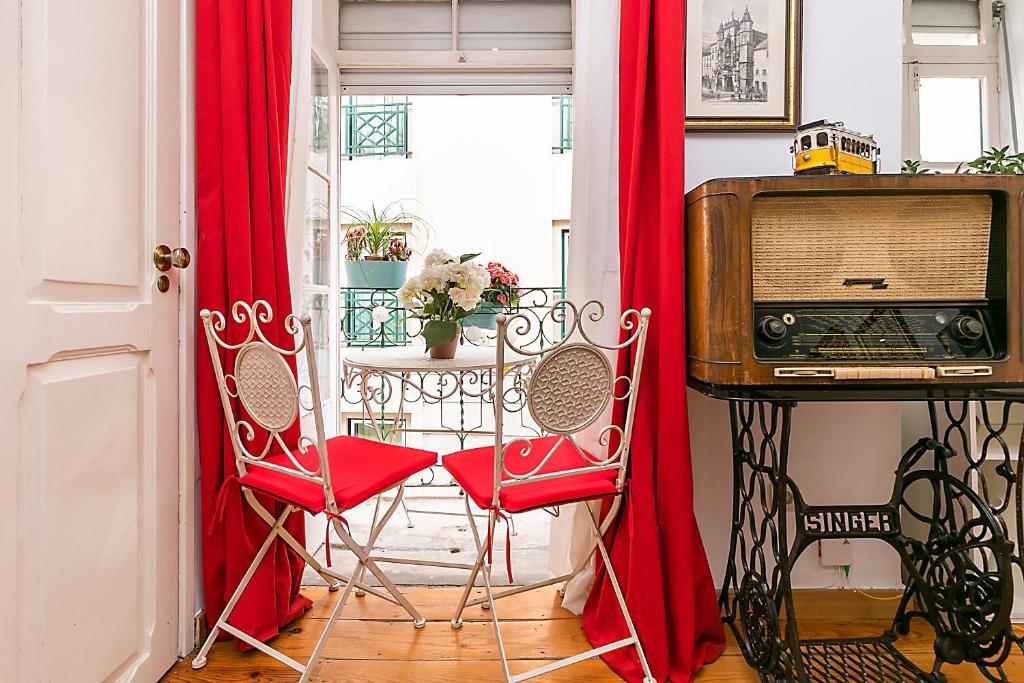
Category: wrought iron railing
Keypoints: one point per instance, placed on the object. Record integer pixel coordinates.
(564, 143)
(374, 317)
(379, 129)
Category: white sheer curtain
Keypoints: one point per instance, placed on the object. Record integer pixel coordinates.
(593, 271)
(1010, 39)
(299, 117)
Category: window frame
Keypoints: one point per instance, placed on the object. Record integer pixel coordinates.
(989, 75)
(952, 61)
(329, 394)
(453, 71)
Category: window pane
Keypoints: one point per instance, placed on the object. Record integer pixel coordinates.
(319, 135)
(315, 304)
(945, 22)
(950, 111)
(317, 249)
(941, 38)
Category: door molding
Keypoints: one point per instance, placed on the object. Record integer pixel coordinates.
(189, 517)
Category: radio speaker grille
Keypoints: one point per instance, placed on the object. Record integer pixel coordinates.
(871, 248)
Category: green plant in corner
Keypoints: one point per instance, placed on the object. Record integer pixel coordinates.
(996, 160)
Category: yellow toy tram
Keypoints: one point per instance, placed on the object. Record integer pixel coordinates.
(824, 148)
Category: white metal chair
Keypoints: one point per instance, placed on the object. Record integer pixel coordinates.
(318, 476)
(571, 388)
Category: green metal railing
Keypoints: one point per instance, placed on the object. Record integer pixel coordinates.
(564, 143)
(372, 317)
(375, 130)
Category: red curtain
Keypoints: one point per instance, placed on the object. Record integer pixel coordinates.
(243, 74)
(655, 544)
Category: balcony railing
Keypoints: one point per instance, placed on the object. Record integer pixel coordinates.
(374, 317)
(374, 130)
(564, 143)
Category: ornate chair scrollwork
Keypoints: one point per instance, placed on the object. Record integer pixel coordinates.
(262, 400)
(572, 389)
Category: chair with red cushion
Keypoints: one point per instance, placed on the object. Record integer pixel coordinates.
(262, 400)
(572, 393)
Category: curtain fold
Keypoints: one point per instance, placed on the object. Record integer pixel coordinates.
(655, 543)
(593, 271)
(243, 71)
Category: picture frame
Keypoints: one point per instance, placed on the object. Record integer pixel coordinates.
(736, 79)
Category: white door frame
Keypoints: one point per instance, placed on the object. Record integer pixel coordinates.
(189, 512)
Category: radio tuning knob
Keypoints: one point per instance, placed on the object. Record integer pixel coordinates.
(967, 328)
(771, 329)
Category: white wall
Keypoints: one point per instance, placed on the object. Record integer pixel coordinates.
(840, 453)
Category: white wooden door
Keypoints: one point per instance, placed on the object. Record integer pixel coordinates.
(89, 184)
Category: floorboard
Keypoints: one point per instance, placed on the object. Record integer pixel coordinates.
(374, 641)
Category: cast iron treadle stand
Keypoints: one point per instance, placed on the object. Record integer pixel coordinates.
(944, 519)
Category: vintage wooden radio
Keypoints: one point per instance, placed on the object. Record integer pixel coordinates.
(860, 282)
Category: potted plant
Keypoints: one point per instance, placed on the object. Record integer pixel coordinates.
(444, 294)
(997, 161)
(502, 293)
(376, 256)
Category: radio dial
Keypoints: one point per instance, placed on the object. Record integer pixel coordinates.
(771, 329)
(967, 328)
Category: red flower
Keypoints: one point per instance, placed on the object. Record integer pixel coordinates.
(502, 298)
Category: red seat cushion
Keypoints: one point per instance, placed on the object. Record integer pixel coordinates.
(360, 469)
(473, 469)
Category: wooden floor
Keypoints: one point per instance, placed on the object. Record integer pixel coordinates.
(374, 641)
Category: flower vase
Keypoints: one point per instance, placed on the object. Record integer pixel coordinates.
(447, 350)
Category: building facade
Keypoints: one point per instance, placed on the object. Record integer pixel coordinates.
(735, 65)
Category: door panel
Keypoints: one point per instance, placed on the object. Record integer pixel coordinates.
(85, 114)
(91, 375)
(101, 534)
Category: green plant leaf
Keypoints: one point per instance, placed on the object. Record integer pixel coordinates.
(437, 332)
(468, 257)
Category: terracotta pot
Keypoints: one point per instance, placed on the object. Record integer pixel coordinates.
(446, 351)
(373, 257)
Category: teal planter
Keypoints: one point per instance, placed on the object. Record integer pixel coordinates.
(376, 274)
(483, 316)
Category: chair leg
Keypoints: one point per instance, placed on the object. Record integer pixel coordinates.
(373, 525)
(648, 677)
(315, 656)
(364, 559)
(200, 659)
(333, 583)
(481, 552)
(408, 517)
(491, 521)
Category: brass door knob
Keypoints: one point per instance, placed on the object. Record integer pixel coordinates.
(164, 258)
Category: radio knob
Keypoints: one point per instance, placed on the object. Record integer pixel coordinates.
(771, 329)
(967, 328)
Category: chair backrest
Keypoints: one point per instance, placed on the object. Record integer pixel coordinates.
(568, 390)
(268, 396)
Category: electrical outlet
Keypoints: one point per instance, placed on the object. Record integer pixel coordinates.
(835, 552)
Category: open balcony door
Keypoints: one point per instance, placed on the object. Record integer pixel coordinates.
(90, 182)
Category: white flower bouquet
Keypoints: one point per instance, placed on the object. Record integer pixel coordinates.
(447, 290)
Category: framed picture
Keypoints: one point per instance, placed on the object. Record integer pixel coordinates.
(743, 65)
